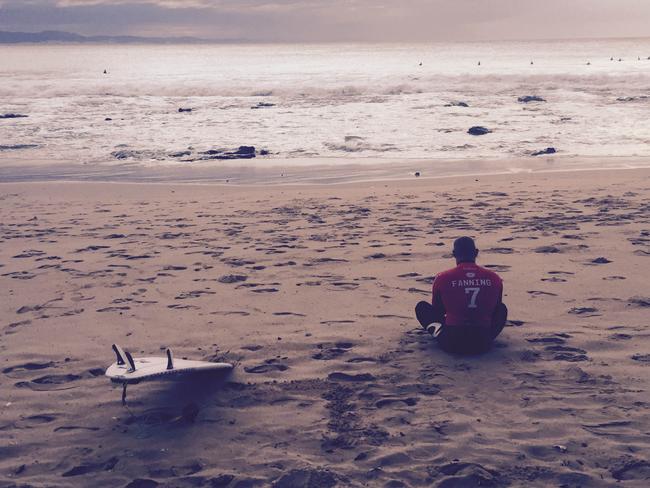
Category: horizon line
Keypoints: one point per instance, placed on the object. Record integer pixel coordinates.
(144, 39)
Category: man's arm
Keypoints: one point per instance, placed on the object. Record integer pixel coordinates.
(436, 302)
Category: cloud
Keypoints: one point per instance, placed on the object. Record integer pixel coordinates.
(334, 20)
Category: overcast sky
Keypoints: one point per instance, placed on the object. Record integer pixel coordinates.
(334, 20)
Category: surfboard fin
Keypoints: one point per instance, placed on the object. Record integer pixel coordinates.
(170, 359)
(129, 358)
(118, 353)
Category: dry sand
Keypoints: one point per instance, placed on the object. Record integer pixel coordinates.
(310, 290)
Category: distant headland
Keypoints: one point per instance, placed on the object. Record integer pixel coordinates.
(69, 37)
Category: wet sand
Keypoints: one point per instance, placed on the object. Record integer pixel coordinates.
(310, 291)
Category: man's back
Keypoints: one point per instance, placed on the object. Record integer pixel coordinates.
(469, 294)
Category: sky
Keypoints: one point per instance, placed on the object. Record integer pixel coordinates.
(334, 20)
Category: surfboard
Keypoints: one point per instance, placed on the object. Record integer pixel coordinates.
(128, 370)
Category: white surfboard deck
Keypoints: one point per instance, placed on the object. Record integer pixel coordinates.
(153, 368)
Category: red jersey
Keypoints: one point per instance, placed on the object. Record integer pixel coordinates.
(469, 294)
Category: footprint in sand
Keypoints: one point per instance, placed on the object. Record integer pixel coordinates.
(537, 293)
(14, 326)
(547, 340)
(345, 286)
(600, 260)
(583, 311)
(499, 250)
(362, 377)
(31, 253)
(28, 367)
(265, 290)
(91, 468)
(193, 294)
(362, 360)
(114, 309)
(388, 402)
(515, 323)
(641, 302)
(34, 420)
(498, 268)
(227, 279)
(332, 351)
(378, 255)
(547, 250)
(146, 483)
(266, 368)
(565, 353)
(460, 474)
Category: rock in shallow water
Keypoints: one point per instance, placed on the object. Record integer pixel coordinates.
(478, 131)
(457, 104)
(548, 150)
(530, 98)
(262, 105)
(244, 152)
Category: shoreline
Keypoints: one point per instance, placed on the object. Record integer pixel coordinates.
(309, 171)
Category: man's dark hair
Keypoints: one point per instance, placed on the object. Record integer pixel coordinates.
(465, 249)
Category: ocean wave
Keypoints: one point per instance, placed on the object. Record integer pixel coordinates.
(634, 84)
(356, 144)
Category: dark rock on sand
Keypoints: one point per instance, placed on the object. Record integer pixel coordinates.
(548, 150)
(12, 116)
(530, 98)
(244, 152)
(457, 104)
(184, 110)
(478, 131)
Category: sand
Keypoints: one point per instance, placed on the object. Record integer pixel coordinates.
(310, 291)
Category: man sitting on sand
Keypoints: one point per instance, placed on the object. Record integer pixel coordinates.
(467, 312)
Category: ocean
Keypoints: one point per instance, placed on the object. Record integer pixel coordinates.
(327, 102)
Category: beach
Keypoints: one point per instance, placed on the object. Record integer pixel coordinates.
(309, 290)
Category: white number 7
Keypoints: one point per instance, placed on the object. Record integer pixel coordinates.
(472, 300)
